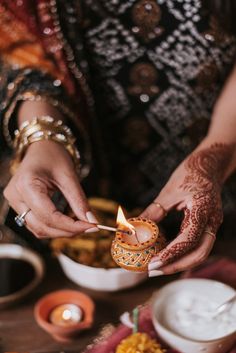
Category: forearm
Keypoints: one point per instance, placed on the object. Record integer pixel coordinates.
(32, 86)
(222, 128)
(223, 122)
(26, 93)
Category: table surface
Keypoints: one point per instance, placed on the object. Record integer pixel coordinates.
(20, 333)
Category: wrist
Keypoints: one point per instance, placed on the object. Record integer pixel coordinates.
(29, 109)
(47, 153)
(44, 147)
(41, 129)
(219, 154)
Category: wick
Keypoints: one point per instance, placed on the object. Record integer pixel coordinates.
(136, 236)
(133, 232)
(130, 232)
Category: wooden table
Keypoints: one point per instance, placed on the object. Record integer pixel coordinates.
(20, 333)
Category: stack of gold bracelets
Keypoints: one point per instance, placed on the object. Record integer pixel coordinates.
(44, 128)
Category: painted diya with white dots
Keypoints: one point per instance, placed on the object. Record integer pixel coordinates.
(134, 249)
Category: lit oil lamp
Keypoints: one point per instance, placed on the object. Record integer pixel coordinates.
(134, 248)
(66, 315)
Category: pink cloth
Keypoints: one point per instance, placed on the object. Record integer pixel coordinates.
(223, 270)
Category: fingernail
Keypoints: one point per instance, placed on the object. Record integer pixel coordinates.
(155, 273)
(92, 230)
(154, 265)
(91, 218)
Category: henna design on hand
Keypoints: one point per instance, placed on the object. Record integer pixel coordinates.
(205, 171)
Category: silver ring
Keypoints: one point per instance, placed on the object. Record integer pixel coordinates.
(20, 218)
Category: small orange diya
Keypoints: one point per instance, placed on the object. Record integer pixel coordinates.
(134, 251)
(64, 314)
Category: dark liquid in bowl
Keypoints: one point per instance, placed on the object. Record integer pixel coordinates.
(14, 275)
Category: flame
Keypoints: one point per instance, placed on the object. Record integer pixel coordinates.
(122, 221)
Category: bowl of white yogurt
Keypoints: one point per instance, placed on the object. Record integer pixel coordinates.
(183, 314)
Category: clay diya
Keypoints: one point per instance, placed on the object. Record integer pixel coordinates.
(63, 314)
(134, 251)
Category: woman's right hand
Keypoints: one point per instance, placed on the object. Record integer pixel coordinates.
(48, 167)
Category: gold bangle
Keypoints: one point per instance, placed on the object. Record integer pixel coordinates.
(44, 128)
(32, 96)
(10, 103)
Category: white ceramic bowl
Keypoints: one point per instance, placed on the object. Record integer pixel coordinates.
(14, 251)
(213, 290)
(109, 280)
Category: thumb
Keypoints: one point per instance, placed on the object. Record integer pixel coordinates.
(74, 194)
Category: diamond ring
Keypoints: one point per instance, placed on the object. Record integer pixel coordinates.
(20, 218)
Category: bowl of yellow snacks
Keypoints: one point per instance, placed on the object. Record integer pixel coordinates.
(86, 259)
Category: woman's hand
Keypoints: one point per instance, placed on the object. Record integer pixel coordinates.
(46, 167)
(195, 188)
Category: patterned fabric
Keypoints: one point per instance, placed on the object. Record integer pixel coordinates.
(155, 69)
(149, 71)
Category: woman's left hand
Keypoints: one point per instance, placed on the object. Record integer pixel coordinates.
(195, 188)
